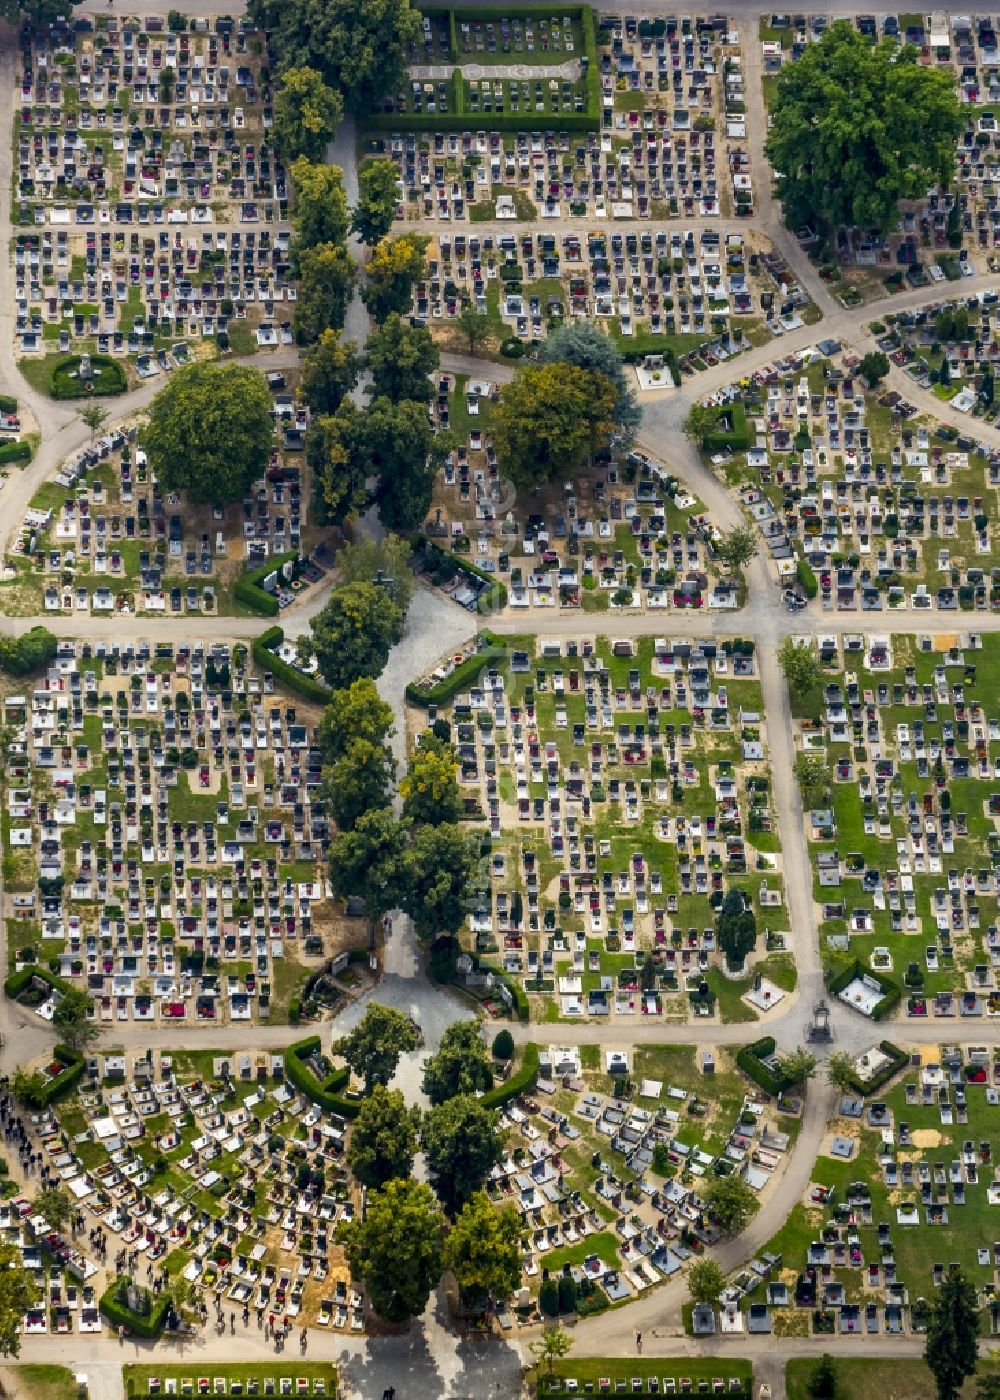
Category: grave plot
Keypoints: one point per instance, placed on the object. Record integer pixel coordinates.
(950, 349)
(122, 124)
(627, 792)
(665, 1376)
(217, 1171)
(692, 298)
(166, 839)
(629, 537)
(62, 1271)
(607, 1166)
(262, 1378)
(101, 537)
(859, 502)
(906, 878)
(904, 1185)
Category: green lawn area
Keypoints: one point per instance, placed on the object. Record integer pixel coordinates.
(901, 1378)
(46, 1382)
(589, 1371)
(136, 1378)
(604, 1244)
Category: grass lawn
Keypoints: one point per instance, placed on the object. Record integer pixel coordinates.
(898, 1379)
(46, 1382)
(604, 1244)
(136, 1378)
(589, 1371)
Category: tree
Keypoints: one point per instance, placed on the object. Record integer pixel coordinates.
(383, 1138)
(799, 1065)
(72, 1018)
(373, 1047)
(378, 196)
(461, 1065)
(358, 712)
(183, 1295)
(822, 1381)
(395, 266)
(737, 547)
(18, 1293)
(339, 474)
(474, 325)
(736, 929)
(951, 1348)
(400, 359)
(94, 416)
(483, 1251)
(209, 432)
(944, 374)
(441, 866)
(359, 781)
(857, 127)
(551, 1346)
(873, 367)
(800, 666)
(461, 1143)
(385, 562)
(33, 649)
(321, 214)
(731, 1203)
(355, 632)
(813, 778)
(326, 276)
(29, 1086)
(396, 1250)
(369, 863)
(701, 422)
(583, 344)
(54, 1205)
(551, 420)
(430, 789)
(503, 1046)
(39, 14)
(361, 50)
(840, 1071)
(306, 114)
(705, 1281)
(330, 371)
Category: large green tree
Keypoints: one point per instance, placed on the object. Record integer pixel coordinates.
(483, 1251)
(394, 268)
(731, 1203)
(18, 1292)
(359, 781)
(951, 1348)
(401, 358)
(550, 421)
(340, 474)
(321, 214)
(307, 113)
(357, 712)
(800, 665)
(373, 1047)
(326, 276)
(73, 1019)
(378, 195)
(396, 1250)
(369, 862)
(430, 789)
(736, 928)
(857, 127)
(330, 370)
(584, 344)
(461, 1143)
(209, 432)
(705, 1281)
(441, 867)
(361, 49)
(383, 1138)
(385, 561)
(460, 1066)
(353, 635)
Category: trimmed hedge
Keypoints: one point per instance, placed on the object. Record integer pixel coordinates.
(522, 1081)
(899, 1061)
(15, 452)
(64, 1081)
(8, 403)
(891, 991)
(806, 578)
(323, 1095)
(516, 990)
(120, 1315)
(264, 654)
(108, 379)
(750, 1059)
(249, 592)
(17, 981)
(461, 677)
(738, 437)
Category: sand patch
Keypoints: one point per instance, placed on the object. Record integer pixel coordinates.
(927, 1137)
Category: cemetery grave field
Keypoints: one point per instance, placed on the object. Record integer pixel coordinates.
(603, 894)
(262, 1378)
(164, 840)
(906, 880)
(665, 1376)
(960, 334)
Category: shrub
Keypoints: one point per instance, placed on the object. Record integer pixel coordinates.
(503, 1045)
(15, 452)
(522, 1081)
(114, 1306)
(548, 1297)
(264, 654)
(463, 675)
(567, 1293)
(325, 1095)
(248, 586)
(750, 1059)
(807, 579)
(29, 652)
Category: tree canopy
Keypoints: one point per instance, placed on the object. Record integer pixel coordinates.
(736, 928)
(800, 665)
(441, 867)
(430, 789)
(359, 781)
(737, 547)
(209, 432)
(378, 195)
(461, 1065)
(705, 1281)
(361, 49)
(321, 214)
(951, 1348)
(585, 345)
(874, 366)
(373, 1047)
(369, 862)
(383, 1138)
(386, 560)
(550, 421)
(395, 266)
(731, 1203)
(72, 1019)
(856, 127)
(357, 712)
(339, 474)
(401, 359)
(461, 1143)
(396, 1250)
(18, 1292)
(483, 1251)
(306, 114)
(354, 633)
(326, 276)
(330, 370)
